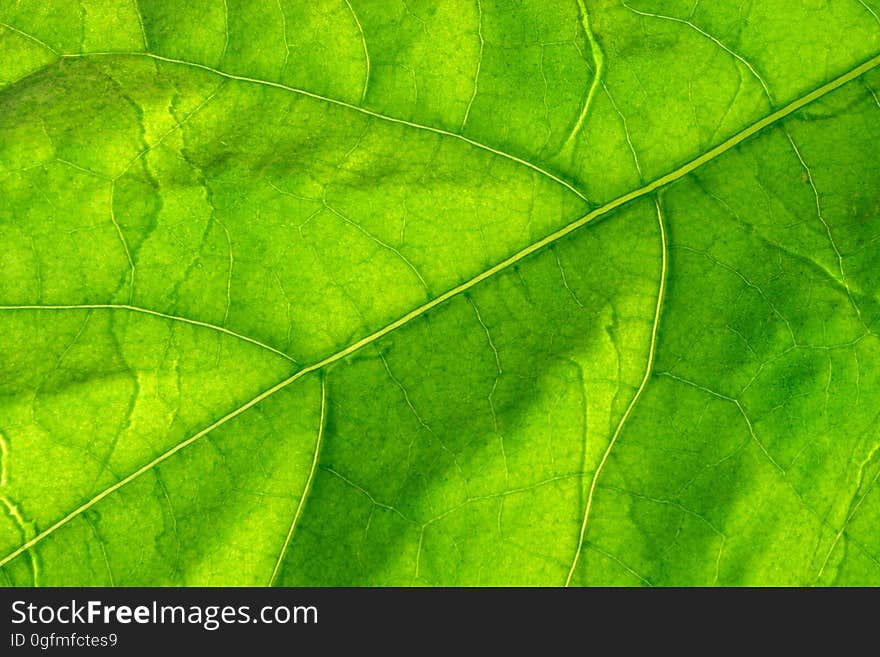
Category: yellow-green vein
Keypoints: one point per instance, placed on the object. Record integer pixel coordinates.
(308, 485)
(649, 368)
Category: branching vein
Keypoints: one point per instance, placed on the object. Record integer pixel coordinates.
(366, 52)
(342, 103)
(308, 485)
(599, 70)
(154, 313)
(470, 104)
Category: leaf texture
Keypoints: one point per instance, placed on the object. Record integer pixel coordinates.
(449, 292)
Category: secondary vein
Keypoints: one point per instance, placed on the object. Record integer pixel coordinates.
(599, 67)
(649, 369)
(308, 485)
(341, 103)
(653, 186)
(154, 313)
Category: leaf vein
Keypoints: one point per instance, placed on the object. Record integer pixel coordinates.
(322, 421)
(341, 103)
(154, 313)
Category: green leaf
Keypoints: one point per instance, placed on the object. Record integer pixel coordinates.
(453, 292)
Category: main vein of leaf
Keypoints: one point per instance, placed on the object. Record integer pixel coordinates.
(649, 188)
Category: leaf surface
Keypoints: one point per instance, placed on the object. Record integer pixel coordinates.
(439, 293)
